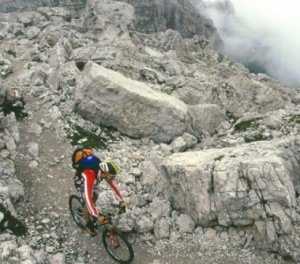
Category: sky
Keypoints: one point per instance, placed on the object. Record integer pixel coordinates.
(267, 31)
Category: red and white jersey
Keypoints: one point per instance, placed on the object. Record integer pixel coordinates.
(89, 177)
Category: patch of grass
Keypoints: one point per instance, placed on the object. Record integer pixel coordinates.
(81, 136)
(294, 119)
(86, 138)
(244, 125)
(254, 137)
(17, 108)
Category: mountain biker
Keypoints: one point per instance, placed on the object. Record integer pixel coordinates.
(90, 170)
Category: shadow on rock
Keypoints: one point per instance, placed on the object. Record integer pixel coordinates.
(9, 222)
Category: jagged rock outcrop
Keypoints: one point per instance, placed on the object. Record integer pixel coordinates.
(109, 19)
(11, 6)
(179, 15)
(130, 106)
(251, 185)
(11, 189)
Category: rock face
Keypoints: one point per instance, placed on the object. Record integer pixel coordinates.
(179, 15)
(107, 9)
(130, 106)
(9, 6)
(251, 185)
(11, 189)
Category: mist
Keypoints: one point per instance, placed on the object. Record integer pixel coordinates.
(261, 34)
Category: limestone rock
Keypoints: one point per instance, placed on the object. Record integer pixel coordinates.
(126, 223)
(151, 174)
(25, 252)
(4, 30)
(6, 67)
(60, 53)
(231, 186)
(185, 224)
(159, 208)
(33, 150)
(109, 18)
(162, 228)
(58, 258)
(178, 15)
(9, 122)
(206, 118)
(35, 129)
(144, 224)
(32, 32)
(130, 106)
(8, 248)
(183, 143)
(10, 144)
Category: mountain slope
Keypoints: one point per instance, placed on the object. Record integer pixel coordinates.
(139, 94)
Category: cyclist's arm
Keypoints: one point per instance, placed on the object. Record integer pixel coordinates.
(113, 184)
(89, 177)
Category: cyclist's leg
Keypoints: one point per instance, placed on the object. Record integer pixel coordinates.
(79, 186)
(102, 219)
(90, 226)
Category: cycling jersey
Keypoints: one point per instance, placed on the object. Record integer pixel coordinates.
(86, 179)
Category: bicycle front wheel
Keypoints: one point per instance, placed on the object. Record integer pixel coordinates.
(117, 246)
(76, 208)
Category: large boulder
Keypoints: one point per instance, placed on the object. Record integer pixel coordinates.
(250, 185)
(206, 118)
(236, 92)
(181, 144)
(109, 98)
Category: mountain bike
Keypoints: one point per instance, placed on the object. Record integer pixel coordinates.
(115, 241)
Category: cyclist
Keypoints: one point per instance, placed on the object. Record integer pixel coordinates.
(90, 170)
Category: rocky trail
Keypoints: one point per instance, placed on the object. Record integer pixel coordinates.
(46, 171)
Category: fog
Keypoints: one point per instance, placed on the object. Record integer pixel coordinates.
(262, 34)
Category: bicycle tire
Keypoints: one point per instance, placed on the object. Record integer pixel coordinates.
(75, 214)
(122, 238)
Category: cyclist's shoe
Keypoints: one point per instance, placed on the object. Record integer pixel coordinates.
(102, 219)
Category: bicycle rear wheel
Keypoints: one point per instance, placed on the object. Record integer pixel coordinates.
(76, 208)
(117, 246)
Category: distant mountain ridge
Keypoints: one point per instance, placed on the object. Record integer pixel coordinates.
(14, 5)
